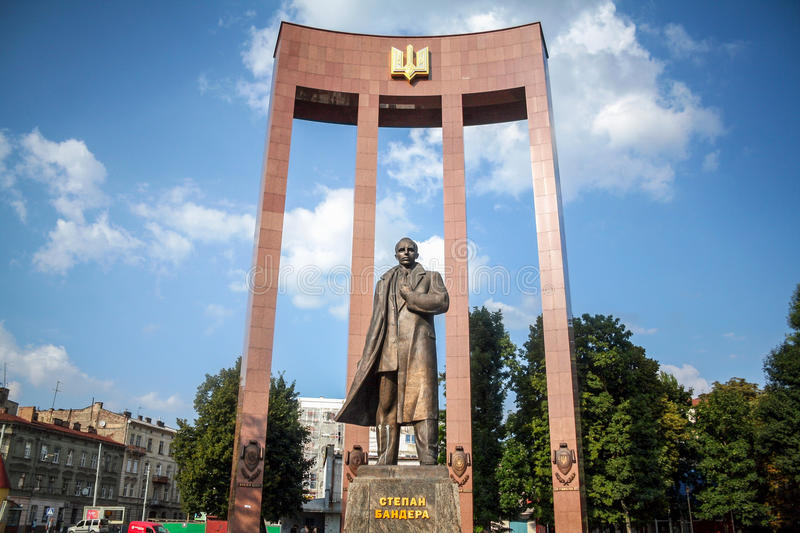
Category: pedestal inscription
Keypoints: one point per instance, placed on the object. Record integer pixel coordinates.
(402, 499)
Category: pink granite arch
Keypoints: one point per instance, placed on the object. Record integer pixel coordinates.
(477, 78)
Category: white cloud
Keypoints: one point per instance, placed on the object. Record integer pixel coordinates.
(340, 310)
(711, 161)
(71, 172)
(14, 389)
(74, 179)
(5, 150)
(733, 336)
(621, 124)
(257, 57)
(72, 242)
(167, 246)
(504, 150)
(681, 44)
(239, 280)
(196, 222)
(516, 317)
(431, 253)
(417, 165)
(155, 402)
(39, 365)
(7, 181)
(600, 31)
(217, 314)
(255, 93)
(689, 377)
(392, 223)
(317, 243)
(639, 330)
(647, 124)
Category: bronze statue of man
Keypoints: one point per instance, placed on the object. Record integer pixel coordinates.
(396, 380)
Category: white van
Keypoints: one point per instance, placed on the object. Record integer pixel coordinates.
(96, 525)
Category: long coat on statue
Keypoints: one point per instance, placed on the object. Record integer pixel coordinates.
(400, 337)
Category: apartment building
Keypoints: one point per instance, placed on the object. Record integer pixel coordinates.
(57, 468)
(148, 472)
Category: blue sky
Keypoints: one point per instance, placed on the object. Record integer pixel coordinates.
(131, 142)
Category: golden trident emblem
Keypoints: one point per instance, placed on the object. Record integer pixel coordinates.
(409, 69)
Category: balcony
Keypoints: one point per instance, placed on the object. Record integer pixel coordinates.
(135, 450)
(160, 479)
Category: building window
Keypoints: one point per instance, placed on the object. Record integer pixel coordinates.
(51, 484)
(21, 480)
(158, 469)
(161, 447)
(78, 487)
(89, 488)
(103, 492)
(44, 452)
(111, 492)
(64, 486)
(139, 441)
(128, 466)
(136, 466)
(83, 458)
(69, 458)
(38, 485)
(56, 455)
(149, 445)
(27, 452)
(131, 440)
(94, 460)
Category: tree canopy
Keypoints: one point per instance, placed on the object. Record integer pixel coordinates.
(632, 425)
(204, 450)
(490, 347)
(778, 436)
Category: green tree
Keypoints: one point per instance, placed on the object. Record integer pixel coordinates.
(724, 433)
(204, 450)
(285, 468)
(490, 348)
(779, 434)
(677, 460)
(524, 473)
(621, 412)
(632, 424)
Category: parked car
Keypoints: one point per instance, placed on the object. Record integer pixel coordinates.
(96, 525)
(146, 527)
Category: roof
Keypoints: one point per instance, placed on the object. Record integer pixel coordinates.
(13, 419)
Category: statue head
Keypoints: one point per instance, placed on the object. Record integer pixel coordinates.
(405, 251)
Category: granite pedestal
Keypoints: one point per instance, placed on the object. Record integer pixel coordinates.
(402, 499)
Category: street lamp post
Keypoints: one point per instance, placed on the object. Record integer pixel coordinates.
(146, 488)
(97, 475)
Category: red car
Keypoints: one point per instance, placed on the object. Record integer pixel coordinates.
(146, 527)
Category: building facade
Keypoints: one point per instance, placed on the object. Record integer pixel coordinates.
(317, 416)
(56, 468)
(148, 468)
